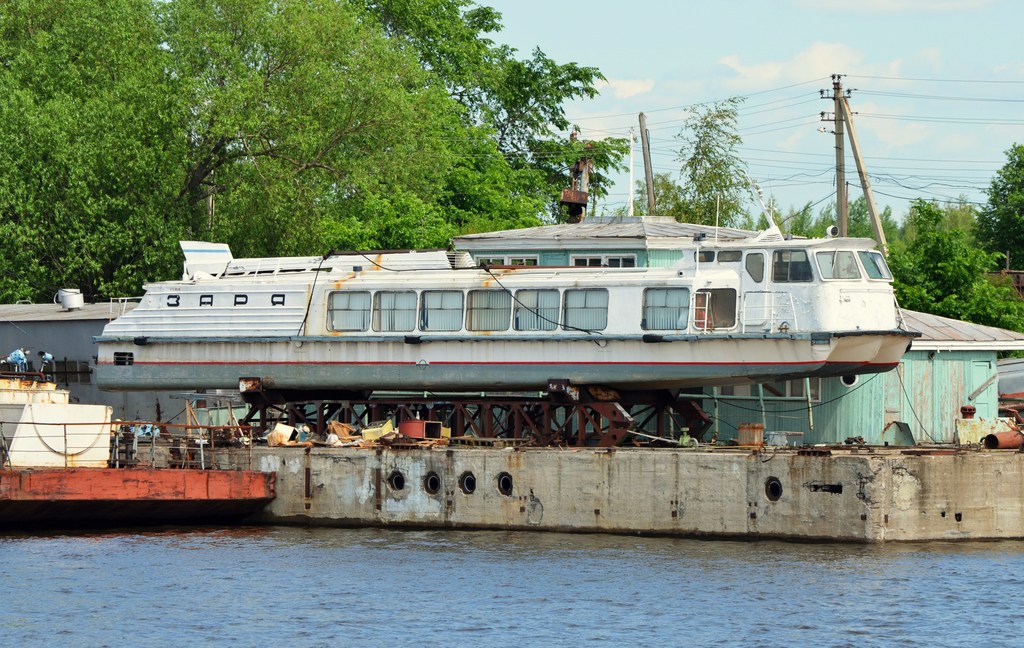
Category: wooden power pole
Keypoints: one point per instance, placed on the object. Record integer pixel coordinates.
(645, 138)
(865, 182)
(843, 120)
(842, 202)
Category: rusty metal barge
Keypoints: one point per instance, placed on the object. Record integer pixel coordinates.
(66, 464)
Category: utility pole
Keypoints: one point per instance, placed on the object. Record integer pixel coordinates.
(843, 120)
(842, 203)
(645, 138)
(629, 198)
(865, 182)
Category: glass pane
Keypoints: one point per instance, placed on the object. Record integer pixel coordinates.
(442, 310)
(666, 308)
(875, 265)
(536, 310)
(791, 265)
(488, 310)
(840, 264)
(755, 266)
(394, 311)
(350, 311)
(586, 309)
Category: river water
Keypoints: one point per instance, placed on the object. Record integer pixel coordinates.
(281, 586)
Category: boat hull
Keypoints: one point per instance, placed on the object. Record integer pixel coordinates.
(55, 497)
(432, 364)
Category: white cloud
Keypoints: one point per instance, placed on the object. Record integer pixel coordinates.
(626, 88)
(817, 61)
(894, 6)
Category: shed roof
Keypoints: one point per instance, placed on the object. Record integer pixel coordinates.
(105, 311)
(617, 232)
(944, 334)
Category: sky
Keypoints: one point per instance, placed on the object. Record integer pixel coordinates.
(937, 86)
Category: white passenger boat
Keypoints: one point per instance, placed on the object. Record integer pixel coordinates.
(730, 312)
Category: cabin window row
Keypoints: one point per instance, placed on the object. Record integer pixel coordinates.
(584, 309)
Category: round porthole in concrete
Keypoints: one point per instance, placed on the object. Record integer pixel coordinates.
(432, 483)
(505, 484)
(396, 480)
(467, 482)
(773, 489)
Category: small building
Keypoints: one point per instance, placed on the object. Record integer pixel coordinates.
(952, 365)
(624, 242)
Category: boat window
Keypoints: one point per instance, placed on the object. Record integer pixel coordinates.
(666, 309)
(791, 265)
(536, 310)
(488, 310)
(349, 311)
(241, 300)
(874, 264)
(277, 299)
(837, 264)
(206, 300)
(755, 266)
(714, 308)
(441, 311)
(394, 311)
(705, 256)
(586, 309)
(729, 256)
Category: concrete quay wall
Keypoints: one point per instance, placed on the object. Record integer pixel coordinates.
(859, 495)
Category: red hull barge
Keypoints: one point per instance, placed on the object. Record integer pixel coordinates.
(113, 496)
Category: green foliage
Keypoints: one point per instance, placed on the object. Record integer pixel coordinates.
(87, 138)
(943, 273)
(279, 128)
(669, 197)
(1001, 221)
(715, 183)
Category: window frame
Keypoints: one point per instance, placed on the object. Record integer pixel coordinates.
(333, 310)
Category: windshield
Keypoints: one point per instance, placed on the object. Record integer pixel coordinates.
(874, 264)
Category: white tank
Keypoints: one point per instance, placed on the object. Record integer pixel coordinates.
(70, 298)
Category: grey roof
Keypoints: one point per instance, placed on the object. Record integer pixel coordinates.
(944, 334)
(651, 227)
(49, 312)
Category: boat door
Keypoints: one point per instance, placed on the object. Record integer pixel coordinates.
(756, 301)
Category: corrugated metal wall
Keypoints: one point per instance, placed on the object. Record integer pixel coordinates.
(926, 392)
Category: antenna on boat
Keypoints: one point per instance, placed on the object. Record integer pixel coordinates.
(772, 232)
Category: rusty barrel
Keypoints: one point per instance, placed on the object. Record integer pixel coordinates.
(1009, 440)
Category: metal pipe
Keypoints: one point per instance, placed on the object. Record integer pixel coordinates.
(1009, 440)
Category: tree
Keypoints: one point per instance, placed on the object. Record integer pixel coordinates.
(669, 197)
(89, 128)
(279, 128)
(943, 273)
(1001, 221)
(714, 177)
